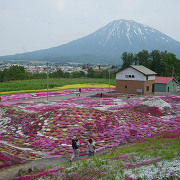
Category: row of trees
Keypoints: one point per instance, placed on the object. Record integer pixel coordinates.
(19, 73)
(163, 63)
(13, 73)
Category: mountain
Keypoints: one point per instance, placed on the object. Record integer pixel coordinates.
(105, 45)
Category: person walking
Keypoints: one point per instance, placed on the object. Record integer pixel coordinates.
(75, 148)
(91, 148)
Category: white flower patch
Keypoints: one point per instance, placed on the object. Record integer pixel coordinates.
(76, 125)
(12, 128)
(48, 130)
(80, 122)
(166, 118)
(156, 102)
(43, 128)
(79, 106)
(150, 171)
(90, 119)
(64, 130)
(62, 109)
(26, 144)
(102, 108)
(21, 133)
(39, 134)
(63, 144)
(155, 128)
(119, 102)
(23, 149)
(122, 121)
(4, 121)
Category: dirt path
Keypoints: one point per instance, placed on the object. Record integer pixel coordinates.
(10, 172)
(55, 98)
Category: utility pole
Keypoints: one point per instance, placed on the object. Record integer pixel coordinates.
(109, 79)
(173, 72)
(47, 82)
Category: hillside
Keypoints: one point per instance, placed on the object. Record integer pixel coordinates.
(105, 45)
(33, 128)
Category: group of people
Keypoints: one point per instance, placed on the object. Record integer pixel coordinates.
(78, 93)
(75, 146)
(99, 95)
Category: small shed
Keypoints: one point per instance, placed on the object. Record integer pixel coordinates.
(165, 84)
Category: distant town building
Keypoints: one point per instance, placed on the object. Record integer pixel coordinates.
(85, 67)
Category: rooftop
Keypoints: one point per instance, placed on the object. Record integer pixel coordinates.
(163, 80)
(143, 70)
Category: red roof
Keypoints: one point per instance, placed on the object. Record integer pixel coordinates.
(163, 80)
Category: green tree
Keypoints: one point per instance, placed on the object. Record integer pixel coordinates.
(67, 75)
(75, 74)
(90, 73)
(13, 73)
(142, 58)
(128, 59)
(168, 63)
(155, 66)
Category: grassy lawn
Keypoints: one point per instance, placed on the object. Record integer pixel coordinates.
(37, 84)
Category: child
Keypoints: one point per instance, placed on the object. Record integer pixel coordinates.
(91, 148)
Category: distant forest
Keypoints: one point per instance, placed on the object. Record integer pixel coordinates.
(163, 63)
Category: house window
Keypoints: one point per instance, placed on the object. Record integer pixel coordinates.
(147, 88)
(125, 86)
(129, 76)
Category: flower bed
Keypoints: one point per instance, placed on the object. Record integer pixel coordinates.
(49, 127)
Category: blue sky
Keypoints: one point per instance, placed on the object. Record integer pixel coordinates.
(28, 25)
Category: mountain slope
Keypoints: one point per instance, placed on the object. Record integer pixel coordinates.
(106, 44)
